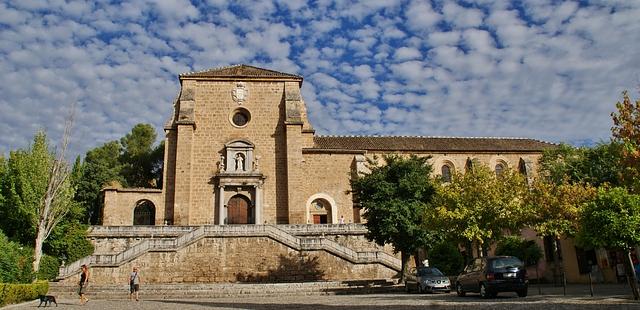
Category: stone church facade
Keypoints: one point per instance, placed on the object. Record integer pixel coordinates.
(251, 193)
(239, 149)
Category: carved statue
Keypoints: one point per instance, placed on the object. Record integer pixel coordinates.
(255, 163)
(239, 162)
(221, 162)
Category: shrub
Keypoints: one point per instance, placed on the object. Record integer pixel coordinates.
(15, 262)
(16, 293)
(446, 257)
(526, 250)
(48, 268)
(69, 241)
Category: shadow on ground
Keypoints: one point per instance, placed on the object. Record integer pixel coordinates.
(382, 302)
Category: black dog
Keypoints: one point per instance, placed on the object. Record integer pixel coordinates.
(47, 299)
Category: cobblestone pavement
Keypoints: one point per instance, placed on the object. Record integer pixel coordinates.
(360, 302)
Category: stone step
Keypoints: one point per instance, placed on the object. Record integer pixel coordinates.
(220, 290)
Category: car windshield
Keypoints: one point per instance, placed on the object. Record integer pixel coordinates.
(506, 262)
(429, 271)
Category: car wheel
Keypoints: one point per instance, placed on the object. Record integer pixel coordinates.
(522, 293)
(420, 289)
(459, 290)
(483, 291)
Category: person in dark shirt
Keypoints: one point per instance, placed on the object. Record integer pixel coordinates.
(84, 280)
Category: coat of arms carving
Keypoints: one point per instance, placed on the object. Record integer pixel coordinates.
(240, 93)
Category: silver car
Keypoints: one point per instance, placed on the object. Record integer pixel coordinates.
(427, 279)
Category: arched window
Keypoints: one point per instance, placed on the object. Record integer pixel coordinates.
(499, 169)
(522, 167)
(468, 166)
(446, 173)
(144, 213)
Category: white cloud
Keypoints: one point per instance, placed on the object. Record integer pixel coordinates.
(421, 16)
(363, 72)
(407, 53)
(178, 10)
(544, 69)
(462, 17)
(479, 40)
(443, 38)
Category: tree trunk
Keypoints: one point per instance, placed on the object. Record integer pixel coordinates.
(420, 256)
(403, 270)
(37, 249)
(556, 260)
(634, 277)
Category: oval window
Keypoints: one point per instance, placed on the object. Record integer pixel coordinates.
(240, 117)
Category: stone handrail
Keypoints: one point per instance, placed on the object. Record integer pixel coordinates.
(110, 231)
(294, 229)
(329, 229)
(131, 253)
(195, 234)
(358, 257)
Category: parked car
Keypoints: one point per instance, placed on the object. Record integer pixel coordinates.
(491, 275)
(427, 279)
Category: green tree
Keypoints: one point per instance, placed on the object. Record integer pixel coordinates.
(3, 174)
(478, 206)
(68, 242)
(101, 166)
(626, 130)
(131, 162)
(526, 250)
(24, 187)
(445, 256)
(554, 210)
(611, 221)
(39, 193)
(596, 166)
(395, 196)
(140, 158)
(15, 262)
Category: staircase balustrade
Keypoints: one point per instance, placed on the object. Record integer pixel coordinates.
(283, 235)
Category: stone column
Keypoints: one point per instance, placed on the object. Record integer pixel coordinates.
(222, 212)
(258, 205)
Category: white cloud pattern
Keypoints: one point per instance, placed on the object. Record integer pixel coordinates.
(550, 70)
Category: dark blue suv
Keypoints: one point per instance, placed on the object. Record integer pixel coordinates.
(491, 275)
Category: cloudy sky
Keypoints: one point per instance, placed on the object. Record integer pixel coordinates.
(549, 70)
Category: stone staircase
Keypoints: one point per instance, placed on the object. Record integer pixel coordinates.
(304, 243)
(223, 290)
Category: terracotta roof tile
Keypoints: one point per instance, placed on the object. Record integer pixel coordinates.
(429, 144)
(242, 70)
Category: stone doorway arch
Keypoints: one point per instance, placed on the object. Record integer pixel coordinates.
(321, 209)
(239, 210)
(144, 213)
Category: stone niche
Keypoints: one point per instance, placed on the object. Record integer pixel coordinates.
(237, 157)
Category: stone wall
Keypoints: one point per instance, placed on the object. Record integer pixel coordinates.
(238, 259)
(119, 204)
(326, 176)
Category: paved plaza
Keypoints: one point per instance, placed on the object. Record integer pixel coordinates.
(578, 297)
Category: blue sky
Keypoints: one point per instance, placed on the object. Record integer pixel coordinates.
(549, 70)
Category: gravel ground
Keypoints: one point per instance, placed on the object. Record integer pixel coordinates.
(398, 301)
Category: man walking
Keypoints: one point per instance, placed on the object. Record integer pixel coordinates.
(134, 283)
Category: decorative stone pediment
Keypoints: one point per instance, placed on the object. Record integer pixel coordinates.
(237, 158)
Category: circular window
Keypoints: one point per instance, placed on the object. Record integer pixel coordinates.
(240, 117)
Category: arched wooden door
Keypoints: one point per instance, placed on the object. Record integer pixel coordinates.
(239, 210)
